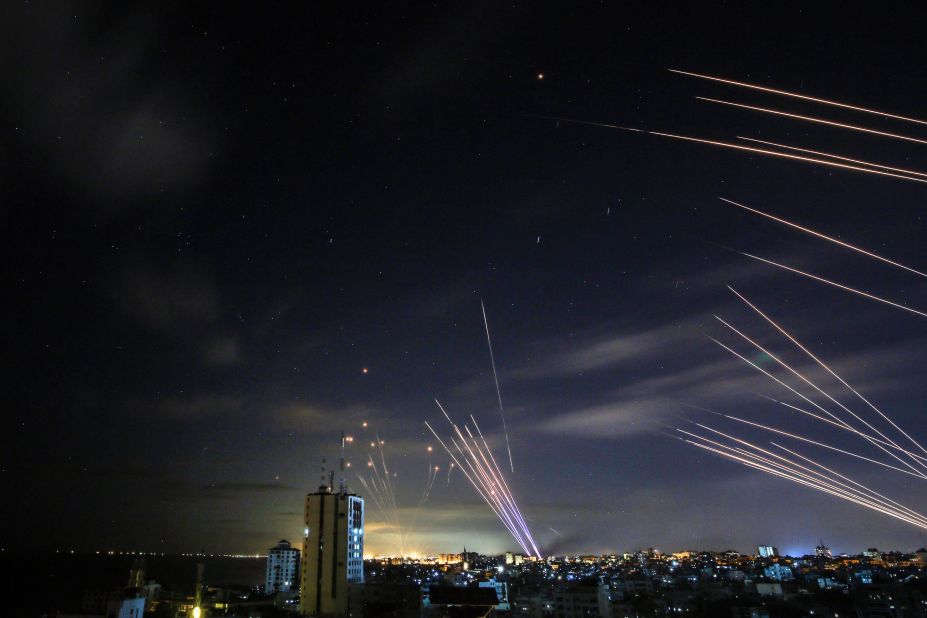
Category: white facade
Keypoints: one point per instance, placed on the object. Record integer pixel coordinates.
(126, 608)
(282, 569)
(767, 551)
(502, 593)
(355, 540)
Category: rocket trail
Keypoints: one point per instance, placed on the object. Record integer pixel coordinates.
(799, 471)
(833, 156)
(771, 459)
(822, 445)
(382, 487)
(504, 483)
(841, 125)
(825, 468)
(474, 483)
(741, 147)
(822, 236)
(834, 284)
(795, 95)
(778, 381)
(832, 400)
(495, 378)
(851, 430)
(589, 123)
(766, 466)
(824, 366)
(813, 403)
(471, 453)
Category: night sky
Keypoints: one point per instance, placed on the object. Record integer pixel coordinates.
(215, 221)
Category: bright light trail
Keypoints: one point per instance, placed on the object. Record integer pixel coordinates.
(495, 377)
(802, 396)
(741, 147)
(833, 156)
(850, 429)
(782, 466)
(841, 125)
(819, 407)
(768, 467)
(478, 464)
(835, 284)
(476, 486)
(820, 235)
(821, 444)
(800, 471)
(828, 396)
(380, 485)
(823, 467)
(771, 459)
(795, 95)
(824, 366)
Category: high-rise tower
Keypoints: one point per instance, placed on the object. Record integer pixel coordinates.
(333, 549)
(282, 568)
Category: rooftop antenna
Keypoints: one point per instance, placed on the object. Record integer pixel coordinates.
(341, 483)
(324, 477)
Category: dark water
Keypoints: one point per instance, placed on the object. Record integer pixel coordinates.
(47, 582)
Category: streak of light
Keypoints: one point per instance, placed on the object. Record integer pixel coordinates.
(495, 378)
(501, 478)
(824, 366)
(476, 485)
(824, 121)
(590, 123)
(820, 235)
(799, 471)
(821, 444)
(741, 147)
(471, 453)
(819, 486)
(381, 485)
(850, 429)
(833, 156)
(777, 380)
(795, 95)
(829, 397)
(767, 457)
(823, 467)
(835, 284)
(783, 464)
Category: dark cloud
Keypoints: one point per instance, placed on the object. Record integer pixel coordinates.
(308, 417)
(222, 351)
(169, 300)
(99, 106)
(249, 487)
(192, 407)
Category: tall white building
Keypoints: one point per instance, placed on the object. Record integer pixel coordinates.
(767, 551)
(333, 551)
(282, 568)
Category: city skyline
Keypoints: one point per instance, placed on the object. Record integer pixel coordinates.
(234, 237)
